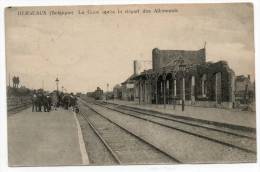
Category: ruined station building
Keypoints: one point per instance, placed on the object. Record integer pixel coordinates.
(178, 75)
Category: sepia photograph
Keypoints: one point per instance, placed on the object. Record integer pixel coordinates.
(144, 84)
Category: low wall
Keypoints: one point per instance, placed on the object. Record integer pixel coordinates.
(208, 104)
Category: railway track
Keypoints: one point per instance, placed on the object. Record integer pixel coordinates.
(230, 139)
(231, 129)
(124, 146)
(207, 125)
(18, 108)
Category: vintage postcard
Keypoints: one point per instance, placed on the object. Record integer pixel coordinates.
(130, 84)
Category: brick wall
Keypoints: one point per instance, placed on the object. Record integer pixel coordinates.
(162, 58)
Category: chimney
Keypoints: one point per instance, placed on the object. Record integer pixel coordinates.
(135, 67)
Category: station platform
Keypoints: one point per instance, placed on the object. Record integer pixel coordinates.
(45, 139)
(242, 119)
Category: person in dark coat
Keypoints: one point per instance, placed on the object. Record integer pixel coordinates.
(49, 99)
(45, 103)
(34, 101)
(55, 100)
(60, 99)
(65, 101)
(72, 100)
(76, 107)
(39, 102)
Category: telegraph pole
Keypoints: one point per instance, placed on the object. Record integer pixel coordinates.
(9, 80)
(107, 91)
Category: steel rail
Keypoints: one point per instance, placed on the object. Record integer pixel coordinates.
(114, 155)
(138, 137)
(218, 124)
(184, 131)
(187, 123)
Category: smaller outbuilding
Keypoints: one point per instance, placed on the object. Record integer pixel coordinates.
(128, 88)
(244, 89)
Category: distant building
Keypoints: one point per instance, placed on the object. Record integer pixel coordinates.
(244, 89)
(128, 88)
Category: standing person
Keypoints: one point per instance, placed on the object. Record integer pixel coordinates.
(72, 102)
(76, 107)
(49, 99)
(65, 101)
(55, 100)
(45, 103)
(39, 102)
(60, 99)
(34, 101)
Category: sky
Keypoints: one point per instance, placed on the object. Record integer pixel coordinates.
(91, 50)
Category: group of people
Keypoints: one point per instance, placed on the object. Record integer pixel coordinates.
(45, 102)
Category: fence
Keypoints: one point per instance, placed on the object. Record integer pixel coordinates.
(15, 102)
